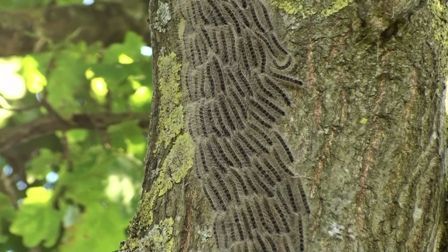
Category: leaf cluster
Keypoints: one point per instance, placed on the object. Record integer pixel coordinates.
(73, 189)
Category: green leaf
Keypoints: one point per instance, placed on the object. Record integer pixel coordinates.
(37, 221)
(100, 228)
(114, 73)
(35, 81)
(6, 215)
(85, 183)
(64, 81)
(142, 96)
(43, 163)
(77, 135)
(6, 208)
(67, 87)
(68, 2)
(71, 214)
(99, 183)
(130, 48)
(134, 143)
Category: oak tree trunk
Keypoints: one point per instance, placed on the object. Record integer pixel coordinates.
(367, 131)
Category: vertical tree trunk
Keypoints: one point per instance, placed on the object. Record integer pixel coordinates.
(367, 132)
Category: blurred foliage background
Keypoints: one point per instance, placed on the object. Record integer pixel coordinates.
(75, 93)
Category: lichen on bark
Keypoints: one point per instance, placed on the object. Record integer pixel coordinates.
(301, 7)
(175, 167)
(335, 7)
(177, 149)
(440, 27)
(160, 237)
(163, 16)
(179, 159)
(171, 119)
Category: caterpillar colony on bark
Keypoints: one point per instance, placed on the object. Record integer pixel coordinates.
(235, 76)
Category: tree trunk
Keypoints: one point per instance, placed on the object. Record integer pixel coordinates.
(366, 133)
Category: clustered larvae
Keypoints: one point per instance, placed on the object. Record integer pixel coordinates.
(235, 77)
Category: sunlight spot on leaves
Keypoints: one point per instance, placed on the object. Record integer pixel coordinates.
(134, 148)
(21, 185)
(146, 51)
(88, 2)
(120, 188)
(7, 170)
(89, 74)
(125, 59)
(141, 96)
(12, 85)
(52, 177)
(35, 81)
(135, 84)
(76, 135)
(99, 88)
(37, 195)
(30, 179)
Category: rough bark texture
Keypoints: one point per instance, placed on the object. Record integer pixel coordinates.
(367, 132)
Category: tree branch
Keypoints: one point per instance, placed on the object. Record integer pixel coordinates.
(32, 30)
(49, 124)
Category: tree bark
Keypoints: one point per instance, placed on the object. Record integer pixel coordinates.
(367, 132)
